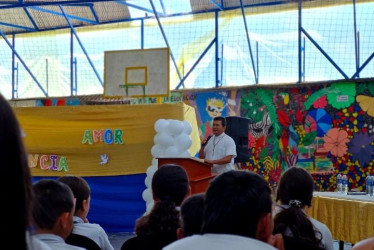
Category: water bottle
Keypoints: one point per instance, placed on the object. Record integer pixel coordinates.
(339, 183)
(368, 185)
(344, 184)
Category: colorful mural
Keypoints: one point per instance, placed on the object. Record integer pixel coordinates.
(325, 128)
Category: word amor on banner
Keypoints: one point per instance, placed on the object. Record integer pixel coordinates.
(108, 136)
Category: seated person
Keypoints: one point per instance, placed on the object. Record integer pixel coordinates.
(237, 215)
(52, 213)
(170, 186)
(82, 228)
(295, 193)
(14, 165)
(366, 244)
(192, 209)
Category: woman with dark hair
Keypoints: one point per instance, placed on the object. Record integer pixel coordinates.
(14, 166)
(157, 229)
(295, 193)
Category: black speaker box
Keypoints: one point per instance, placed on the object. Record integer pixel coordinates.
(237, 128)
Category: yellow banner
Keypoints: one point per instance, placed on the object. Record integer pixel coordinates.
(99, 140)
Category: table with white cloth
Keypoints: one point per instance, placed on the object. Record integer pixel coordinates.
(350, 218)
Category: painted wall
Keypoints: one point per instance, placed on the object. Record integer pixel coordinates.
(325, 128)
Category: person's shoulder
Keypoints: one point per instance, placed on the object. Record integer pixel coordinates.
(319, 225)
(218, 242)
(90, 230)
(34, 243)
(366, 244)
(88, 225)
(184, 243)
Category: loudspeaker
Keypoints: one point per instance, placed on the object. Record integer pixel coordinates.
(237, 128)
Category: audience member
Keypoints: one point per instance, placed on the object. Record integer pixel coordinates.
(366, 244)
(52, 212)
(82, 229)
(192, 209)
(157, 229)
(295, 193)
(14, 165)
(237, 215)
(219, 149)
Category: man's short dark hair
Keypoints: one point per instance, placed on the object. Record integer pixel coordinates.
(192, 210)
(80, 188)
(222, 119)
(52, 198)
(234, 203)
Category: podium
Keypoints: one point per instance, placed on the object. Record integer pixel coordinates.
(199, 173)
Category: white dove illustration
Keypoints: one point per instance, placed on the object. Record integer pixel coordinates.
(104, 159)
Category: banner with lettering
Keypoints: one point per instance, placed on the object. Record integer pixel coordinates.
(101, 140)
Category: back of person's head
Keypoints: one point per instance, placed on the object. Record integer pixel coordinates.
(235, 202)
(14, 165)
(295, 192)
(295, 184)
(79, 186)
(170, 186)
(52, 199)
(222, 119)
(192, 210)
(170, 183)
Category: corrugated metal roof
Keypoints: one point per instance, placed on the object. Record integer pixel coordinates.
(35, 15)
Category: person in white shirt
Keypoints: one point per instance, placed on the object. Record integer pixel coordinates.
(237, 216)
(52, 213)
(295, 193)
(219, 150)
(93, 231)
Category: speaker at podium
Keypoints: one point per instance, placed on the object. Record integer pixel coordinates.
(237, 128)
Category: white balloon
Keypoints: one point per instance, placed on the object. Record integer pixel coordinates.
(148, 181)
(185, 154)
(183, 142)
(161, 125)
(171, 151)
(156, 139)
(155, 162)
(147, 195)
(149, 206)
(187, 127)
(166, 140)
(158, 151)
(175, 127)
(151, 170)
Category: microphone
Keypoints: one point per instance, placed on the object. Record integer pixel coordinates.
(206, 141)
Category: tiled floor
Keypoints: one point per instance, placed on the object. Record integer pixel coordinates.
(117, 240)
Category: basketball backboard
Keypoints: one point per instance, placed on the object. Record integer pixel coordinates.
(136, 73)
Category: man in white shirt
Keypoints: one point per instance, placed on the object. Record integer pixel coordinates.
(237, 216)
(52, 213)
(219, 150)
